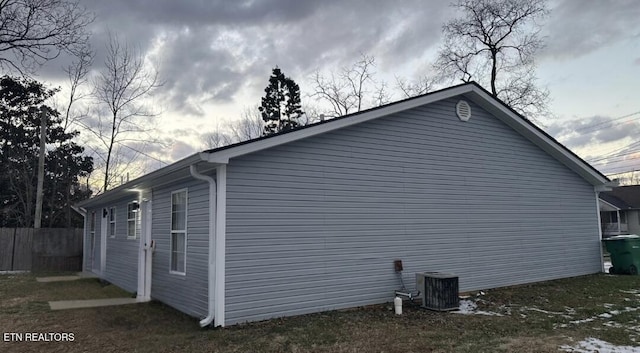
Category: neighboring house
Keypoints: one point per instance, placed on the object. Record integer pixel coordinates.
(312, 219)
(620, 211)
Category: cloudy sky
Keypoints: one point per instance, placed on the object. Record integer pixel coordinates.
(215, 58)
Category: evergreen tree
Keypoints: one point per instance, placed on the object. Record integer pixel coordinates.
(281, 107)
(22, 103)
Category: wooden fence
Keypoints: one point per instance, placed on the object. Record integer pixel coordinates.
(37, 250)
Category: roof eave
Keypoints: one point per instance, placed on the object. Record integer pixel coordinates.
(141, 182)
(338, 123)
(472, 91)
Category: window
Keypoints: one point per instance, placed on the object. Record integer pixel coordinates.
(112, 222)
(132, 219)
(178, 231)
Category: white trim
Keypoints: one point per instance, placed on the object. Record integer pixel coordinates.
(104, 220)
(92, 246)
(149, 247)
(221, 236)
(145, 250)
(184, 232)
(135, 220)
(114, 222)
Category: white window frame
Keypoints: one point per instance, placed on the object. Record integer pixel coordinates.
(112, 223)
(176, 232)
(134, 220)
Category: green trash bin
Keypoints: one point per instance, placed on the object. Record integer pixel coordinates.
(625, 254)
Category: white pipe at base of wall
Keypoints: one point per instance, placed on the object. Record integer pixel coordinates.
(397, 303)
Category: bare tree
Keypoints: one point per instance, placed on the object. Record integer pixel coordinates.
(412, 88)
(219, 137)
(121, 88)
(348, 90)
(33, 32)
(216, 139)
(249, 126)
(494, 42)
(381, 95)
(312, 114)
(77, 77)
(77, 73)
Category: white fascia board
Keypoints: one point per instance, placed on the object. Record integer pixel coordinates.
(223, 156)
(536, 136)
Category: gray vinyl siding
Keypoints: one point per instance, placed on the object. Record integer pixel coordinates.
(122, 252)
(315, 224)
(187, 293)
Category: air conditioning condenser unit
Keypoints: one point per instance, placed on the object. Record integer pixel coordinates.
(439, 290)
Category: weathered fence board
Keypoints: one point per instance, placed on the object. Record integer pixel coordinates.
(45, 249)
(22, 249)
(57, 249)
(6, 248)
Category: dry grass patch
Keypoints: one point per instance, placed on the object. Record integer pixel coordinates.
(534, 318)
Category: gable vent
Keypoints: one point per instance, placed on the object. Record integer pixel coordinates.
(463, 110)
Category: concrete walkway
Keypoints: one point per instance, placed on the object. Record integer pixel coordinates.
(90, 303)
(66, 278)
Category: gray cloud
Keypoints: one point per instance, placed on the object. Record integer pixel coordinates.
(208, 51)
(576, 28)
(593, 130)
(194, 71)
(206, 12)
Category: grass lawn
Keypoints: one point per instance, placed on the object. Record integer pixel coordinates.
(540, 317)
